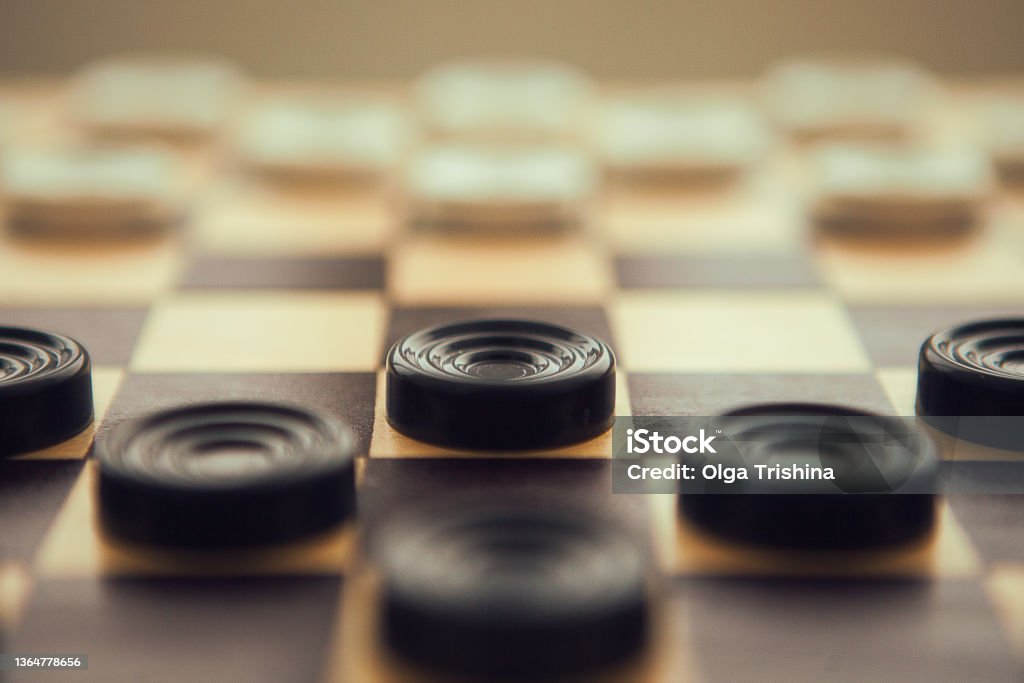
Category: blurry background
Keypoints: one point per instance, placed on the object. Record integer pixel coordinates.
(608, 38)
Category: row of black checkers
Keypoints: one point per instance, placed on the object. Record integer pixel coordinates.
(485, 590)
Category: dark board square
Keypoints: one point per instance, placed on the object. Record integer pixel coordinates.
(347, 396)
(358, 272)
(849, 630)
(994, 522)
(31, 494)
(260, 629)
(590, 319)
(392, 486)
(783, 271)
(893, 336)
(108, 334)
(686, 394)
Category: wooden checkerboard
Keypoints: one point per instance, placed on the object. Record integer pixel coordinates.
(711, 300)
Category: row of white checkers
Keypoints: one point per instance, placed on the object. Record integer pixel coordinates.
(486, 144)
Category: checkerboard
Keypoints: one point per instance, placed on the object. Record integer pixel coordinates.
(711, 298)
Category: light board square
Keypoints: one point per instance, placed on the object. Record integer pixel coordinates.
(684, 549)
(987, 270)
(730, 333)
(551, 270)
(84, 274)
(245, 221)
(1005, 587)
(728, 221)
(262, 332)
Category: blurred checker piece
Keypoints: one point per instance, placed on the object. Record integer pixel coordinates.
(849, 96)
(894, 190)
(322, 136)
(45, 389)
(1001, 123)
(219, 475)
(87, 191)
(883, 493)
(498, 188)
(500, 385)
(502, 100)
(165, 95)
(512, 592)
(665, 135)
